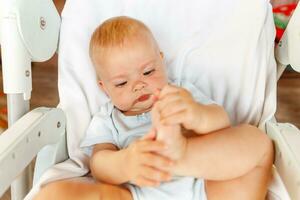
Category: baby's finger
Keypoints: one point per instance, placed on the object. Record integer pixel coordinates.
(172, 108)
(168, 89)
(153, 174)
(150, 135)
(177, 118)
(157, 161)
(144, 182)
(168, 98)
(156, 94)
(152, 146)
(155, 114)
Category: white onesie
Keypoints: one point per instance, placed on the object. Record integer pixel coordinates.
(110, 125)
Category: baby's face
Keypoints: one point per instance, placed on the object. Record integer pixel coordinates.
(132, 74)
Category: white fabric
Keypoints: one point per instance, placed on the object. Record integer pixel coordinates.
(275, 190)
(224, 47)
(185, 188)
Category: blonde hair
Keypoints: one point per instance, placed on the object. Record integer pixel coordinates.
(114, 32)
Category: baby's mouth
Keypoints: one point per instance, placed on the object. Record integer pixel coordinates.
(143, 97)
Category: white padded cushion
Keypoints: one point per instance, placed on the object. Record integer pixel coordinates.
(224, 47)
(221, 46)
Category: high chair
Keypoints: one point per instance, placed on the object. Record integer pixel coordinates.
(225, 48)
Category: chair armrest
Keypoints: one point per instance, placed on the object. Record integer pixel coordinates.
(20, 143)
(286, 138)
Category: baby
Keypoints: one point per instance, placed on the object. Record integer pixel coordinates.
(183, 149)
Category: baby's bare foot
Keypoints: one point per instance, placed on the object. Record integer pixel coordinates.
(170, 134)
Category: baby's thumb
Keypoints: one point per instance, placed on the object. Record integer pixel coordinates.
(151, 135)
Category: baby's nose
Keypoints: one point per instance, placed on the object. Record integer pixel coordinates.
(139, 86)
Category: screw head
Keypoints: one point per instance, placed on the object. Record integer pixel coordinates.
(42, 23)
(27, 73)
(58, 125)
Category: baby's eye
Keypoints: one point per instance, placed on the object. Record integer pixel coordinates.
(149, 72)
(121, 84)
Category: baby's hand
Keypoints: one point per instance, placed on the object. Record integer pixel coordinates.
(170, 134)
(144, 166)
(177, 106)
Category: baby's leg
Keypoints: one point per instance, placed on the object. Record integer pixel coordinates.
(232, 156)
(78, 190)
(252, 185)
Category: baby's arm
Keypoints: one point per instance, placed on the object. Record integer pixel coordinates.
(102, 169)
(177, 106)
(138, 163)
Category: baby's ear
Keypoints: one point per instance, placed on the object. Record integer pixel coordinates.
(102, 87)
(161, 54)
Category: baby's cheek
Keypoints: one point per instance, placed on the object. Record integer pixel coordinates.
(122, 102)
(160, 84)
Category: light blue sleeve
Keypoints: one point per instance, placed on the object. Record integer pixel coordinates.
(98, 131)
(196, 93)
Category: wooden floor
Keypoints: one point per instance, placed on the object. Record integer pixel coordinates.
(44, 84)
(288, 107)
